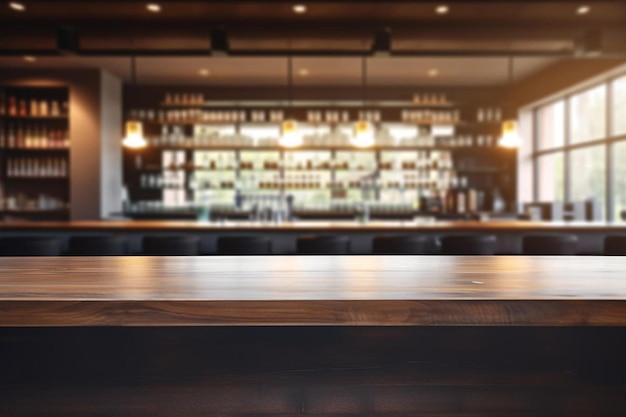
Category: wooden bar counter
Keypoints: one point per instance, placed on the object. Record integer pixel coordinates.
(313, 290)
(286, 336)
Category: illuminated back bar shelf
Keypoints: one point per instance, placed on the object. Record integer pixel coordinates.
(223, 155)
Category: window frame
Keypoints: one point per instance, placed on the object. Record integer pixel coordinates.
(608, 140)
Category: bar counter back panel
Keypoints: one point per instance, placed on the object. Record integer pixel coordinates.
(591, 235)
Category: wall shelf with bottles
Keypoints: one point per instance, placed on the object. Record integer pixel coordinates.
(423, 150)
(193, 116)
(187, 108)
(34, 152)
(186, 99)
(399, 177)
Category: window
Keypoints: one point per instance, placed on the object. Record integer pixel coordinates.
(588, 175)
(573, 132)
(588, 115)
(619, 179)
(551, 129)
(551, 174)
(618, 106)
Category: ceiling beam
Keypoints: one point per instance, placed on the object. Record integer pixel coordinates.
(290, 52)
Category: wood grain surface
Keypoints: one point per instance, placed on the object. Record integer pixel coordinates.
(313, 371)
(312, 226)
(313, 290)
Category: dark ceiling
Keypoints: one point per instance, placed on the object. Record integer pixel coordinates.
(328, 27)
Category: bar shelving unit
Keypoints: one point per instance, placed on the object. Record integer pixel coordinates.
(34, 152)
(470, 149)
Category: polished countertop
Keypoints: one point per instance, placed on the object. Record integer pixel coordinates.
(311, 226)
(313, 290)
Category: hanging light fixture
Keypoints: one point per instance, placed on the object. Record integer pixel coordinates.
(290, 136)
(510, 137)
(134, 128)
(363, 130)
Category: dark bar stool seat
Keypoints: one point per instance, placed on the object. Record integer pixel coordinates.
(615, 245)
(323, 245)
(171, 245)
(97, 246)
(399, 245)
(563, 244)
(469, 245)
(30, 246)
(244, 245)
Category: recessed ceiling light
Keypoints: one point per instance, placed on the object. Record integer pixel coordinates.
(299, 8)
(18, 7)
(29, 58)
(442, 9)
(433, 72)
(584, 9)
(303, 72)
(204, 72)
(153, 7)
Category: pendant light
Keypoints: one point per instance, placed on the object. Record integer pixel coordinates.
(510, 137)
(363, 136)
(290, 137)
(134, 128)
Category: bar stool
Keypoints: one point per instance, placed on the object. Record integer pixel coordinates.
(323, 245)
(97, 246)
(615, 245)
(171, 245)
(30, 246)
(469, 244)
(244, 245)
(563, 244)
(399, 245)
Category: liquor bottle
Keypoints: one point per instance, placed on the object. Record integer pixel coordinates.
(12, 106)
(28, 137)
(498, 204)
(38, 142)
(20, 137)
(450, 198)
(34, 108)
(43, 134)
(3, 103)
(489, 114)
(54, 108)
(43, 108)
(34, 136)
(480, 116)
(497, 114)
(472, 200)
(461, 196)
(52, 168)
(23, 110)
(11, 137)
